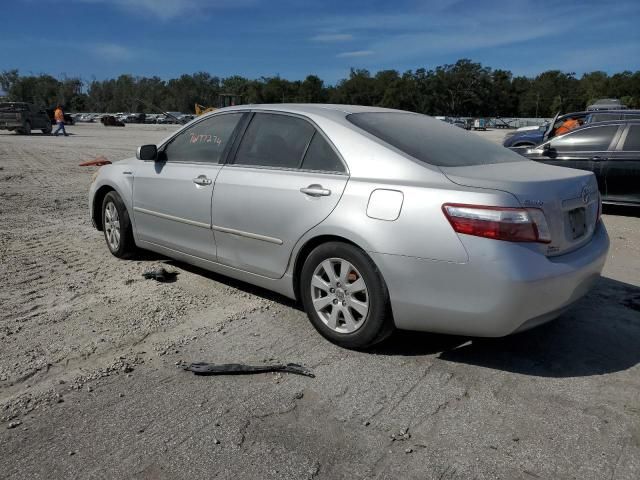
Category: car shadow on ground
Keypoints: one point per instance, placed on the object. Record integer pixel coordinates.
(621, 210)
(601, 334)
(231, 282)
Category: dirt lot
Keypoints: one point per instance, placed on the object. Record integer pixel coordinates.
(90, 386)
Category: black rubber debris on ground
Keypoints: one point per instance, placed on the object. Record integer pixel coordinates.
(161, 275)
(204, 368)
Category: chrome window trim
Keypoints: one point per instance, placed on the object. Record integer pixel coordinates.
(285, 169)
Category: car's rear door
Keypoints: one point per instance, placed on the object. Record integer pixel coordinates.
(172, 196)
(285, 178)
(622, 168)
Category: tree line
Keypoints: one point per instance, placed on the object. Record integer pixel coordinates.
(465, 88)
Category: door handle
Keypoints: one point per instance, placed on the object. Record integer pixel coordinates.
(202, 180)
(597, 158)
(316, 190)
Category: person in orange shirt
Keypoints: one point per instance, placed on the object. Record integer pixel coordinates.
(567, 126)
(58, 115)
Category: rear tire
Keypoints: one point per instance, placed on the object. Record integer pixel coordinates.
(48, 130)
(345, 296)
(116, 225)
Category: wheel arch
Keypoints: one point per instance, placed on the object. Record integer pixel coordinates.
(307, 248)
(96, 208)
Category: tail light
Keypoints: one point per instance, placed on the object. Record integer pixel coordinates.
(499, 223)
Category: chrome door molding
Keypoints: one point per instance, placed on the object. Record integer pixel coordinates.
(171, 217)
(240, 233)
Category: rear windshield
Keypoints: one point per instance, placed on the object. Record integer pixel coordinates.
(432, 141)
(13, 106)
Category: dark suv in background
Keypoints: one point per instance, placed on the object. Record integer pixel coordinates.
(23, 117)
(531, 138)
(611, 150)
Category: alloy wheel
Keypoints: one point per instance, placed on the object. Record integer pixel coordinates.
(112, 226)
(339, 294)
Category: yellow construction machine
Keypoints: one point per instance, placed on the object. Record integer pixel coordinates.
(201, 109)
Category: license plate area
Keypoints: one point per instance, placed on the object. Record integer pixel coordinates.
(577, 222)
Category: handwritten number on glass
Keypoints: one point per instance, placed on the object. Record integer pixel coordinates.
(205, 138)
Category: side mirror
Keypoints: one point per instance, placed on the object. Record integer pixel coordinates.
(147, 152)
(547, 150)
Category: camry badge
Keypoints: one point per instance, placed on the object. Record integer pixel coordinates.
(585, 194)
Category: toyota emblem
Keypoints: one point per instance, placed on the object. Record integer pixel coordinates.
(585, 194)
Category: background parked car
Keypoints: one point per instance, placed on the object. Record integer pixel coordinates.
(611, 150)
(23, 117)
(536, 136)
(607, 104)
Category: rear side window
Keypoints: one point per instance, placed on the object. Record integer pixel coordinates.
(320, 156)
(273, 140)
(632, 143)
(432, 141)
(204, 142)
(589, 139)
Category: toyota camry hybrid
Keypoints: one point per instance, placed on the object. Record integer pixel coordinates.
(373, 219)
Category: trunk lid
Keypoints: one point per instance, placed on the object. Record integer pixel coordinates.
(569, 198)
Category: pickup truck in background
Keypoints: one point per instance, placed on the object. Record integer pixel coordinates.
(23, 117)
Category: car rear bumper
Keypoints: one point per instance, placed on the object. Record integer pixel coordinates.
(13, 124)
(504, 288)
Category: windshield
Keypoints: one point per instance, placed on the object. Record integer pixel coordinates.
(432, 141)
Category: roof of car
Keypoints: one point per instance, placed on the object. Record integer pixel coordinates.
(319, 109)
(592, 112)
(610, 122)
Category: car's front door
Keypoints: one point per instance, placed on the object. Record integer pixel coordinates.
(622, 168)
(172, 195)
(585, 149)
(285, 179)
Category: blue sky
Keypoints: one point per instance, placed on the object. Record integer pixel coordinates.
(254, 38)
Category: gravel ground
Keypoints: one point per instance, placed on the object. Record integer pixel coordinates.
(91, 384)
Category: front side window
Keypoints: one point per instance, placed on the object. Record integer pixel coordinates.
(589, 139)
(432, 141)
(273, 140)
(203, 142)
(632, 142)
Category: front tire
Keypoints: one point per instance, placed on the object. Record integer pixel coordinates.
(345, 296)
(116, 225)
(27, 128)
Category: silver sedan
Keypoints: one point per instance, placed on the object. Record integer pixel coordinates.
(373, 219)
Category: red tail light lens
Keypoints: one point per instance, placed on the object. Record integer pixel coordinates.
(499, 223)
